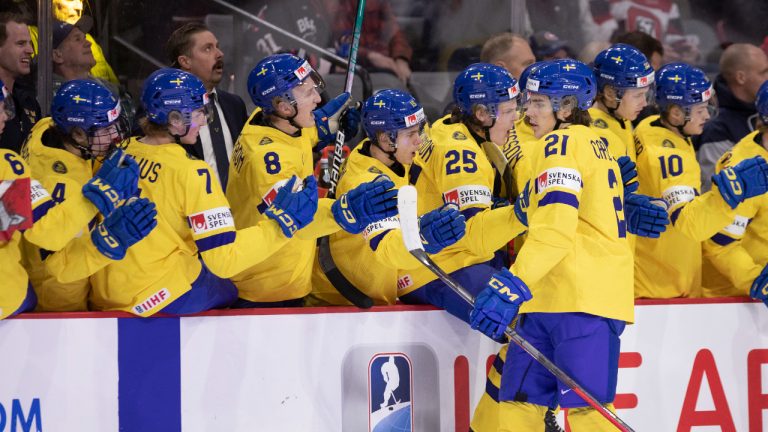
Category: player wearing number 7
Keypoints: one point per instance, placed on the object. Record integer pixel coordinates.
(576, 261)
(667, 167)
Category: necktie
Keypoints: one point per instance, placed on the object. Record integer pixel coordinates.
(219, 147)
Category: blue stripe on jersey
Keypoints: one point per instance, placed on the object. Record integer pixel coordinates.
(215, 241)
(374, 243)
(492, 390)
(262, 207)
(42, 210)
(558, 197)
(413, 174)
(722, 239)
(498, 364)
(675, 214)
(149, 367)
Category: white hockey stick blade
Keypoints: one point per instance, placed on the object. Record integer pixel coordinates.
(409, 220)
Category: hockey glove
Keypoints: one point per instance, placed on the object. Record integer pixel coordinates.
(498, 303)
(645, 218)
(367, 203)
(328, 117)
(124, 227)
(628, 174)
(113, 183)
(441, 228)
(521, 205)
(294, 210)
(759, 290)
(749, 178)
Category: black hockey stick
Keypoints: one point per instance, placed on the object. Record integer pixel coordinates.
(332, 272)
(409, 225)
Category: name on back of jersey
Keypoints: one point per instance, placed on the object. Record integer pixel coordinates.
(210, 220)
(567, 178)
(468, 195)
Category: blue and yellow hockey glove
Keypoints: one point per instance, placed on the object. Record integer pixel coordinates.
(749, 178)
(628, 174)
(328, 119)
(367, 203)
(645, 218)
(441, 228)
(294, 210)
(498, 303)
(124, 227)
(759, 290)
(112, 183)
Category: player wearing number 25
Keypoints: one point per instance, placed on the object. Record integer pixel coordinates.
(667, 167)
(275, 145)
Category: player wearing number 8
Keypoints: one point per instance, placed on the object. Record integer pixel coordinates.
(667, 167)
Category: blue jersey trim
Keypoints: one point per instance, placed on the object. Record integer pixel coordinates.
(558, 197)
(42, 210)
(215, 241)
(722, 239)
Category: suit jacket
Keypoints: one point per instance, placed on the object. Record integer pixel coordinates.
(235, 115)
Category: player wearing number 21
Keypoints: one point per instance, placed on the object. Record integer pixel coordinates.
(670, 266)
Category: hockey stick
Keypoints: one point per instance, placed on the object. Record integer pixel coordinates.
(338, 149)
(325, 258)
(409, 225)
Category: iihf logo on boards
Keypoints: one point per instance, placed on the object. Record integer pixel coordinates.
(390, 384)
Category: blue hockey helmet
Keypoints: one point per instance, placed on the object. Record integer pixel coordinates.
(484, 84)
(526, 73)
(558, 79)
(167, 90)
(762, 103)
(683, 85)
(389, 111)
(5, 96)
(622, 67)
(84, 104)
(275, 76)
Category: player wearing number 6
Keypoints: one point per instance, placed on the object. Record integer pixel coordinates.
(667, 167)
(275, 145)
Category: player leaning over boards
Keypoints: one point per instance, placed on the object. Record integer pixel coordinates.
(63, 151)
(179, 267)
(739, 252)
(395, 126)
(54, 225)
(453, 168)
(275, 145)
(667, 167)
(576, 261)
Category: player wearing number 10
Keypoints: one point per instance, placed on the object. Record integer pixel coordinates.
(666, 163)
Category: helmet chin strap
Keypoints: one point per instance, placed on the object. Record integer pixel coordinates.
(392, 148)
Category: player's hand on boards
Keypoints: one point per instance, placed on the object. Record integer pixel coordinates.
(759, 290)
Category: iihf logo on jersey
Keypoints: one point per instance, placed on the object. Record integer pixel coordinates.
(390, 381)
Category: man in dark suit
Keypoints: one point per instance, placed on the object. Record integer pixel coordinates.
(195, 49)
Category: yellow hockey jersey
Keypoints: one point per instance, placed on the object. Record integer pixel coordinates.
(193, 217)
(738, 253)
(670, 266)
(353, 252)
(263, 160)
(451, 167)
(63, 174)
(576, 257)
(602, 121)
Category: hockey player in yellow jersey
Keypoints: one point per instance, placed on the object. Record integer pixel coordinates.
(667, 167)
(576, 261)
(56, 225)
(276, 144)
(737, 256)
(164, 272)
(395, 125)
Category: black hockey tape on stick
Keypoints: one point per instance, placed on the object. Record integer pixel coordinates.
(338, 149)
(409, 225)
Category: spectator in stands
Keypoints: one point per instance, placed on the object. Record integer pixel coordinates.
(73, 59)
(547, 46)
(15, 62)
(383, 46)
(647, 44)
(509, 51)
(194, 48)
(743, 68)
